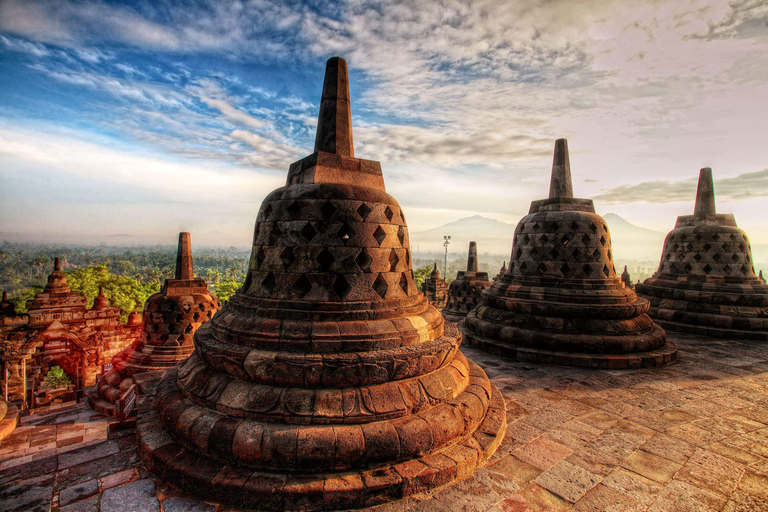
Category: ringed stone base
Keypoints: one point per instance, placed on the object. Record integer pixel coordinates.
(9, 418)
(239, 486)
(97, 403)
(706, 330)
(650, 359)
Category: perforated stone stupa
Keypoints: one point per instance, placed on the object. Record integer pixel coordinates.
(171, 318)
(465, 291)
(502, 271)
(327, 381)
(436, 289)
(706, 283)
(560, 301)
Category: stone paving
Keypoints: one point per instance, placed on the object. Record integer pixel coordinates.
(689, 437)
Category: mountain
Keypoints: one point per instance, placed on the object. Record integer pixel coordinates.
(629, 242)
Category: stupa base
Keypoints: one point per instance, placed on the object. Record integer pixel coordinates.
(9, 418)
(238, 486)
(103, 396)
(653, 358)
(711, 331)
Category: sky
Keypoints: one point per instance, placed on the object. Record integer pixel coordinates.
(146, 118)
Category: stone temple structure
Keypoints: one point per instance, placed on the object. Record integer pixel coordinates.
(171, 318)
(560, 301)
(465, 291)
(627, 279)
(436, 289)
(327, 381)
(502, 271)
(706, 283)
(59, 330)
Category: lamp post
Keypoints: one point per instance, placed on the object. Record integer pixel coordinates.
(446, 242)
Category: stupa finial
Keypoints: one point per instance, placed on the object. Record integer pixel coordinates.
(56, 265)
(184, 269)
(472, 257)
(5, 295)
(334, 123)
(560, 185)
(705, 194)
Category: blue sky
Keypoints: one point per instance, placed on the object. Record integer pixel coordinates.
(146, 118)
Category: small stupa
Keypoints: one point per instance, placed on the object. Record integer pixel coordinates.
(706, 282)
(327, 381)
(502, 271)
(627, 279)
(436, 289)
(465, 291)
(171, 318)
(560, 301)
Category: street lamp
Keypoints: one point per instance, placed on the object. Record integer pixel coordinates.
(446, 242)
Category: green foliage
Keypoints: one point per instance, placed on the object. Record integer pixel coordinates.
(56, 378)
(227, 288)
(421, 274)
(19, 299)
(123, 292)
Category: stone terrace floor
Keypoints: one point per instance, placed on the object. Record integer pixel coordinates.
(692, 436)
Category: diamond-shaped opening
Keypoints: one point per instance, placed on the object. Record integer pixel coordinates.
(565, 269)
(554, 253)
(565, 239)
(341, 287)
(404, 283)
(555, 226)
(535, 226)
(667, 256)
(674, 247)
(325, 259)
(680, 256)
(518, 253)
(697, 257)
(363, 211)
(523, 266)
(688, 267)
(593, 227)
(575, 226)
(534, 251)
(606, 270)
(275, 234)
(706, 246)
(689, 247)
(526, 239)
(294, 208)
(544, 239)
(389, 213)
(609, 255)
(301, 286)
(596, 254)
(345, 233)
(364, 260)
(379, 235)
(734, 257)
(732, 236)
(602, 240)
(393, 260)
(541, 269)
(716, 256)
(587, 269)
(724, 246)
(327, 209)
(287, 257)
(698, 236)
(707, 269)
(269, 283)
(267, 211)
(380, 286)
(577, 253)
(408, 259)
(744, 270)
(741, 247)
(401, 235)
(308, 232)
(260, 257)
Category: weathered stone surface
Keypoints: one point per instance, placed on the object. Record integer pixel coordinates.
(435, 289)
(171, 318)
(560, 302)
(89, 505)
(140, 494)
(465, 292)
(78, 492)
(328, 375)
(176, 504)
(706, 282)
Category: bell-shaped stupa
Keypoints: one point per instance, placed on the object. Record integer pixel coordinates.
(465, 291)
(436, 289)
(706, 283)
(171, 318)
(560, 301)
(502, 271)
(327, 381)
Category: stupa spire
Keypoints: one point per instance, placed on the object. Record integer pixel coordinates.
(184, 269)
(56, 265)
(560, 185)
(472, 257)
(334, 123)
(705, 194)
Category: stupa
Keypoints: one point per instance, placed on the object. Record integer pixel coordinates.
(465, 291)
(706, 283)
(171, 318)
(560, 301)
(502, 271)
(327, 381)
(436, 289)
(627, 279)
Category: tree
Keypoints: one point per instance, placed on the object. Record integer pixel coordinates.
(421, 274)
(227, 288)
(56, 378)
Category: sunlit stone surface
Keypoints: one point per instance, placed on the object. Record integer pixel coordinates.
(327, 381)
(171, 318)
(560, 301)
(436, 289)
(706, 283)
(465, 291)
